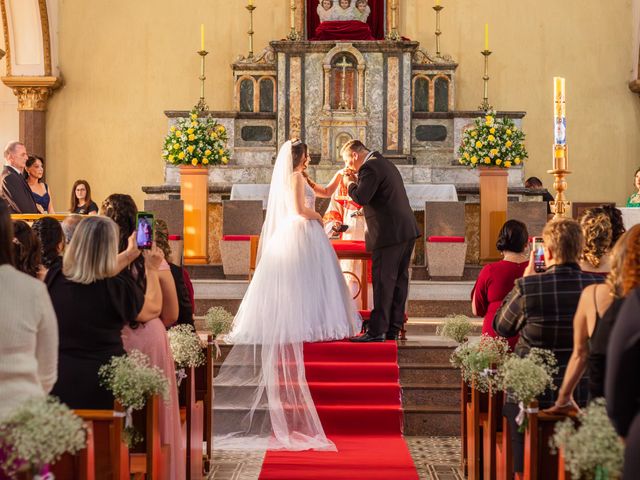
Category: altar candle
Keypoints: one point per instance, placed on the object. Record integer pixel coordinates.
(437, 3)
(486, 36)
(202, 36)
(559, 111)
(293, 14)
(251, 3)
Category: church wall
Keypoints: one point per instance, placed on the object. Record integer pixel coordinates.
(8, 109)
(125, 62)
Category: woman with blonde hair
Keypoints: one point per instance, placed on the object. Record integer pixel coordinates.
(597, 229)
(594, 319)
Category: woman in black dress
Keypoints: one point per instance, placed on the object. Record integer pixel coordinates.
(81, 202)
(94, 295)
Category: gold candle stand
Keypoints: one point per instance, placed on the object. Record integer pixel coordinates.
(251, 8)
(560, 170)
(294, 35)
(393, 34)
(202, 105)
(485, 106)
(438, 9)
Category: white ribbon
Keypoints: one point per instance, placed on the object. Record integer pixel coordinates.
(180, 375)
(128, 419)
(218, 351)
(523, 411)
(46, 476)
(488, 371)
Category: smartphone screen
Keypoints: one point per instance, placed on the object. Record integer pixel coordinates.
(538, 254)
(144, 230)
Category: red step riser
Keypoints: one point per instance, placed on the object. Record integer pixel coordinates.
(355, 394)
(352, 372)
(348, 352)
(355, 420)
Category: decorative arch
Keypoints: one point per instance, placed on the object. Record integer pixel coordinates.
(247, 96)
(441, 94)
(330, 58)
(267, 94)
(421, 93)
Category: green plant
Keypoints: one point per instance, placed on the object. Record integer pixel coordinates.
(475, 360)
(219, 321)
(456, 328)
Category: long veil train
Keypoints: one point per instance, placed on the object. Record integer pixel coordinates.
(298, 294)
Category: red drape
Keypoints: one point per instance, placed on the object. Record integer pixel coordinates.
(375, 22)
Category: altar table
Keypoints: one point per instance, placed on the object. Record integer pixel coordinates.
(355, 250)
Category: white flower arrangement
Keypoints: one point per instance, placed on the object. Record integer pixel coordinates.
(37, 433)
(186, 346)
(219, 321)
(456, 328)
(593, 449)
(132, 379)
(476, 359)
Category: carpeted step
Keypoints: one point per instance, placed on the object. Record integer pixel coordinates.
(361, 393)
(353, 372)
(345, 351)
(361, 419)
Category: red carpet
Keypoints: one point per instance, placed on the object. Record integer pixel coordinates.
(357, 393)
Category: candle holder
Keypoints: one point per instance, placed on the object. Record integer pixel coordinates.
(250, 8)
(438, 9)
(560, 205)
(393, 34)
(485, 106)
(202, 106)
(294, 35)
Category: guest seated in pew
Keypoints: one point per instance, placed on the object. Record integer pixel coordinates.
(534, 183)
(69, 225)
(597, 231)
(622, 389)
(51, 237)
(634, 198)
(541, 308)
(597, 311)
(617, 222)
(81, 202)
(185, 306)
(29, 340)
(33, 174)
(148, 333)
(496, 279)
(27, 252)
(13, 187)
(94, 296)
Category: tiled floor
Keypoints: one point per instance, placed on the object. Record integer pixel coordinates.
(436, 458)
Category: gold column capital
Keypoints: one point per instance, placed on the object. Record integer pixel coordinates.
(33, 92)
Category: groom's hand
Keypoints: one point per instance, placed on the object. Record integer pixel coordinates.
(349, 178)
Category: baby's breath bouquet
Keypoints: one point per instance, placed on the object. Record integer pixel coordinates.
(475, 361)
(132, 379)
(456, 328)
(186, 348)
(218, 321)
(593, 450)
(37, 433)
(528, 377)
(492, 142)
(194, 141)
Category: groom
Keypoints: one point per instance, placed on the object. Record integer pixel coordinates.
(391, 232)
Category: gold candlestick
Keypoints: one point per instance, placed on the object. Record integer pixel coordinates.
(560, 170)
(202, 105)
(251, 8)
(294, 35)
(485, 106)
(438, 8)
(393, 34)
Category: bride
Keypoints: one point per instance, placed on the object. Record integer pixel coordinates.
(297, 294)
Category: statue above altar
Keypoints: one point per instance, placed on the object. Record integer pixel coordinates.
(346, 20)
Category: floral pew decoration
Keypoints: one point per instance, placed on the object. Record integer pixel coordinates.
(186, 348)
(219, 322)
(132, 380)
(38, 433)
(456, 328)
(592, 449)
(479, 362)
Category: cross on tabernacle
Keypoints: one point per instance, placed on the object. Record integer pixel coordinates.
(344, 65)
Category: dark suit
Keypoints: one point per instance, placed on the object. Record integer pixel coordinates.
(16, 192)
(391, 232)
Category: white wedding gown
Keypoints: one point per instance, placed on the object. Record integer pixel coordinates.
(298, 294)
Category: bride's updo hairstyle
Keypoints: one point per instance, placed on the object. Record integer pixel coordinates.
(299, 155)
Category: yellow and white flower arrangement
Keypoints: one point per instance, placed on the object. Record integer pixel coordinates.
(492, 142)
(479, 361)
(197, 142)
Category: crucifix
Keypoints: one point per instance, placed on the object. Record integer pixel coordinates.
(343, 105)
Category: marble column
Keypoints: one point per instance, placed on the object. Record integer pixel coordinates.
(33, 94)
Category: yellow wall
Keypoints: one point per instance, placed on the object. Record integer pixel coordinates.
(124, 62)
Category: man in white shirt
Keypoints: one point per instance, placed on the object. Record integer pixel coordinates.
(15, 189)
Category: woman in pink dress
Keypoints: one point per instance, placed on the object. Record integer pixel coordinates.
(148, 333)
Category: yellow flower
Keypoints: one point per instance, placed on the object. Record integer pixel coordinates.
(466, 155)
(194, 162)
(193, 116)
(517, 161)
(489, 120)
(190, 131)
(220, 129)
(478, 144)
(493, 151)
(192, 137)
(181, 155)
(178, 133)
(172, 129)
(214, 136)
(171, 157)
(474, 160)
(207, 152)
(176, 146)
(224, 160)
(491, 138)
(221, 152)
(508, 143)
(194, 124)
(507, 164)
(191, 148)
(487, 160)
(474, 133)
(492, 130)
(508, 132)
(461, 160)
(498, 161)
(205, 161)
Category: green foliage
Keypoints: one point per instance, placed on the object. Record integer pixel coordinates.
(475, 361)
(219, 321)
(456, 328)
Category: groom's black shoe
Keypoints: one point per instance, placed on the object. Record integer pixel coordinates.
(392, 336)
(368, 338)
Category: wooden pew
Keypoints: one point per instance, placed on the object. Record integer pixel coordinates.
(504, 454)
(563, 473)
(476, 419)
(465, 399)
(203, 377)
(492, 437)
(152, 460)
(80, 466)
(111, 460)
(192, 411)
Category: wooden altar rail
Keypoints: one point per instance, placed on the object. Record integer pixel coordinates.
(203, 388)
(192, 417)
